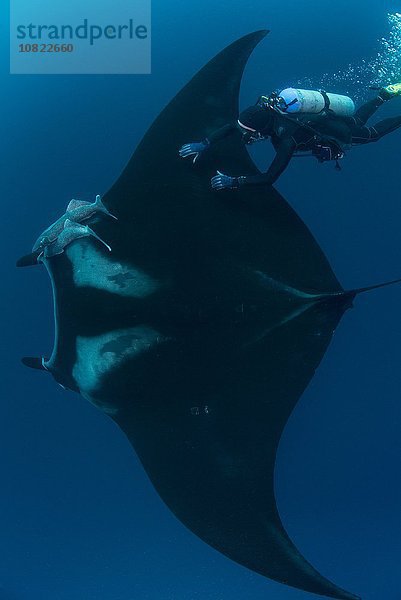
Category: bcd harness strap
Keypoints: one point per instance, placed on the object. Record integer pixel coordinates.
(326, 108)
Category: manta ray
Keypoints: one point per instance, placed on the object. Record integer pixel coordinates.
(200, 330)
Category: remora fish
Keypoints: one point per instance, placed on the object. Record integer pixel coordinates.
(78, 211)
(72, 231)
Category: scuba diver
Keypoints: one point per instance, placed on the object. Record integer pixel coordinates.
(300, 122)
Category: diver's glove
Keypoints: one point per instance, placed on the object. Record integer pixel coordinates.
(225, 182)
(194, 149)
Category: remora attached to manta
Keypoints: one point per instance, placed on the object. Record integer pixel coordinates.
(202, 329)
(78, 211)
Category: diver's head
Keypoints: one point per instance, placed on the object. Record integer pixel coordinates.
(256, 122)
(274, 102)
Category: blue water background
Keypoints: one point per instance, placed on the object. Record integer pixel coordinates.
(79, 519)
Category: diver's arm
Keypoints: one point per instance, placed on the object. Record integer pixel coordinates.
(222, 133)
(284, 152)
(195, 149)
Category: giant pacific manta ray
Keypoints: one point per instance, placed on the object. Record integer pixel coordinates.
(201, 329)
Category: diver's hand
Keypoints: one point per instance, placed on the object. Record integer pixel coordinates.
(194, 149)
(224, 182)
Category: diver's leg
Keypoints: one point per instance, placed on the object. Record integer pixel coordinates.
(387, 126)
(366, 111)
(364, 135)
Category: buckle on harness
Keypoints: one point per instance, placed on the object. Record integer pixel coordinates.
(326, 152)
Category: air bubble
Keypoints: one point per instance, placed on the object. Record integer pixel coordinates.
(378, 71)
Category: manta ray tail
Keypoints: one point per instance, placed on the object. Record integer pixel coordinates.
(370, 288)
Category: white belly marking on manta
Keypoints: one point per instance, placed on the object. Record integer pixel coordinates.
(98, 270)
(98, 357)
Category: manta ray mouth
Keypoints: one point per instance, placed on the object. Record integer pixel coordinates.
(94, 351)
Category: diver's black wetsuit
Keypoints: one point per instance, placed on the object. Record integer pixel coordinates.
(289, 136)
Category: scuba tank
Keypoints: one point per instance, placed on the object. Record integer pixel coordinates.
(295, 101)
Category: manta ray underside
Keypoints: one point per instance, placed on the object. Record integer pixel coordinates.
(202, 327)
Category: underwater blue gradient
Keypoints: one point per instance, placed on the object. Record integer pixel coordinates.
(79, 519)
